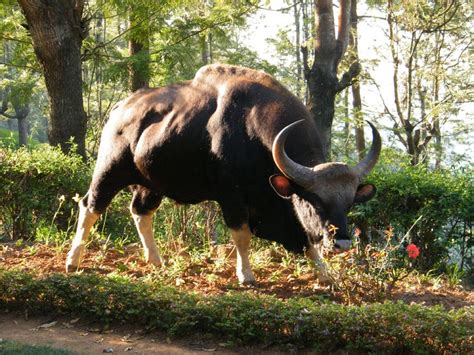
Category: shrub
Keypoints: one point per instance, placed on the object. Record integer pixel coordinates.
(436, 207)
(243, 318)
(34, 184)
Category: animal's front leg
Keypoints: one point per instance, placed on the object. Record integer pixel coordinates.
(86, 220)
(241, 237)
(315, 255)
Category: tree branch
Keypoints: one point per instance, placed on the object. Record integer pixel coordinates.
(343, 28)
(304, 52)
(349, 76)
(194, 33)
(7, 115)
(324, 33)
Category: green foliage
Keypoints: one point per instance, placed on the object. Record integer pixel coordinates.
(32, 186)
(441, 202)
(10, 139)
(14, 348)
(243, 318)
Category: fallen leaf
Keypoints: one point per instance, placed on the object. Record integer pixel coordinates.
(108, 350)
(75, 320)
(128, 349)
(98, 341)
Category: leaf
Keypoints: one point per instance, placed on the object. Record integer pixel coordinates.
(47, 325)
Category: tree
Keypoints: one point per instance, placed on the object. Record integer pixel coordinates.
(356, 96)
(21, 109)
(428, 46)
(181, 35)
(57, 31)
(321, 76)
(139, 46)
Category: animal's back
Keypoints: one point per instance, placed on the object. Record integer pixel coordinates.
(216, 75)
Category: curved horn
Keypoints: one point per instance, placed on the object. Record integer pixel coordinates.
(299, 174)
(365, 165)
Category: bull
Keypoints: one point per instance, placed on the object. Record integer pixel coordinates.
(232, 135)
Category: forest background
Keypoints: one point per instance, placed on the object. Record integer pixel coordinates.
(404, 65)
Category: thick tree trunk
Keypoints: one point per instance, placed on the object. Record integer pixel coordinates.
(57, 34)
(323, 83)
(139, 50)
(321, 101)
(139, 68)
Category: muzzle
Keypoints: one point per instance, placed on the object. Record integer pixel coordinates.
(342, 244)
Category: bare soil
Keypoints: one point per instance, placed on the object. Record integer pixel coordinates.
(79, 336)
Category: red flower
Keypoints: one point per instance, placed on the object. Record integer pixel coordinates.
(413, 251)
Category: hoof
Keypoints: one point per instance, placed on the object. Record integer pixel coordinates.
(323, 280)
(71, 267)
(155, 262)
(246, 280)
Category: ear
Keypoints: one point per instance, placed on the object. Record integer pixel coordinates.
(364, 193)
(282, 186)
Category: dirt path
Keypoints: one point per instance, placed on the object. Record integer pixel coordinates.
(65, 333)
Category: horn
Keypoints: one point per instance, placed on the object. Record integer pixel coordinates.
(299, 174)
(365, 165)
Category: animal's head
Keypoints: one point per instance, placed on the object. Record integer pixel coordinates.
(322, 195)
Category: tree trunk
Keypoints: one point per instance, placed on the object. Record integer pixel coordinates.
(57, 34)
(299, 67)
(21, 113)
(139, 67)
(356, 98)
(139, 50)
(22, 131)
(323, 83)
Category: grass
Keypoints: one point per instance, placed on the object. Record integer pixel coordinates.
(14, 348)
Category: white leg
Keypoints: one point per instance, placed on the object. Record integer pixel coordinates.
(87, 218)
(241, 238)
(314, 253)
(144, 224)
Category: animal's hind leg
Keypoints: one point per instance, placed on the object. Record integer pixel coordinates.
(87, 218)
(144, 203)
(236, 218)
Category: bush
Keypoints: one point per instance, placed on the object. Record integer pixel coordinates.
(243, 318)
(436, 207)
(36, 189)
